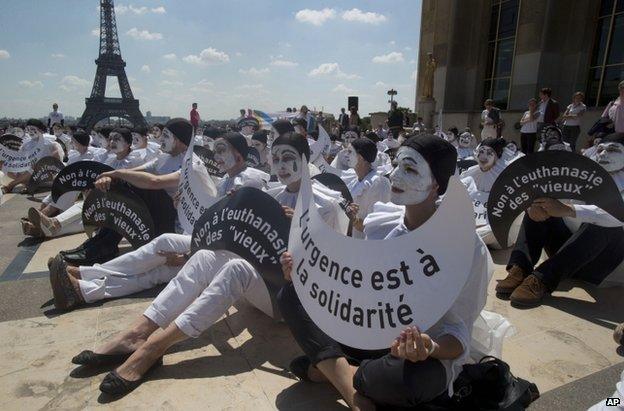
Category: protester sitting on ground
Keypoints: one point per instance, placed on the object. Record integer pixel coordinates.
(69, 221)
(552, 139)
(465, 145)
(582, 241)
(161, 259)
(420, 365)
(247, 127)
(368, 186)
(156, 182)
(155, 134)
(37, 142)
(334, 148)
(148, 150)
(206, 287)
(340, 161)
(259, 142)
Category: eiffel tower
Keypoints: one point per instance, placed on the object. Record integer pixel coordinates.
(110, 63)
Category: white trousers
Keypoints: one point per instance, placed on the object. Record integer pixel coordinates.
(64, 202)
(488, 131)
(70, 220)
(135, 271)
(206, 287)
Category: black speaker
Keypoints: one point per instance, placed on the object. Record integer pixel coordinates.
(353, 101)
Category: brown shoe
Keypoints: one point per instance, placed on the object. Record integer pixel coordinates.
(29, 228)
(529, 293)
(618, 334)
(66, 294)
(515, 277)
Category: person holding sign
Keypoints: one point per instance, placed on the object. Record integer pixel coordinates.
(419, 365)
(207, 286)
(31, 151)
(161, 259)
(368, 187)
(582, 241)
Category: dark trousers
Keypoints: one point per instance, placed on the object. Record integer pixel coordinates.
(527, 142)
(384, 379)
(570, 135)
(589, 254)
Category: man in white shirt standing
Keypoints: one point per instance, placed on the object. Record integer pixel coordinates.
(572, 119)
(55, 117)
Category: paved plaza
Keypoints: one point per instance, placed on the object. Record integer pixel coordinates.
(564, 346)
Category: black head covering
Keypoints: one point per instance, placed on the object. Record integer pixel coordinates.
(260, 136)
(181, 128)
(439, 153)
(248, 121)
(105, 131)
(372, 136)
(37, 123)
(497, 144)
(82, 137)
(283, 126)
(142, 130)
(125, 133)
(614, 138)
(214, 132)
(366, 148)
(295, 140)
(238, 141)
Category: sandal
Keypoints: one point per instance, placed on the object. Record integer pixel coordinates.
(65, 295)
(114, 384)
(88, 357)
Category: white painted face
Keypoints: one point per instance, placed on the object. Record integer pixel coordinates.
(465, 139)
(411, 178)
(57, 132)
(286, 163)
(207, 142)
(18, 131)
(451, 136)
(351, 157)
(486, 157)
(261, 150)
(512, 148)
(167, 141)
(117, 143)
(138, 141)
(224, 155)
(610, 156)
(247, 130)
(33, 132)
(348, 137)
(156, 133)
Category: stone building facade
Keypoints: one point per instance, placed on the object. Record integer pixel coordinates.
(508, 49)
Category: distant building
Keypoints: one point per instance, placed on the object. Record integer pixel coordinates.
(508, 49)
(155, 119)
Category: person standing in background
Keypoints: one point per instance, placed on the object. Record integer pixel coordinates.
(615, 110)
(343, 121)
(194, 118)
(55, 117)
(572, 119)
(490, 119)
(395, 119)
(548, 110)
(528, 128)
(354, 117)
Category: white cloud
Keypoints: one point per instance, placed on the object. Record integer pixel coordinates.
(49, 74)
(143, 34)
(95, 32)
(393, 57)
(146, 69)
(170, 56)
(331, 69)
(30, 84)
(72, 83)
(363, 17)
(171, 72)
(341, 88)
(159, 10)
(283, 63)
(122, 9)
(250, 87)
(4, 55)
(238, 54)
(207, 56)
(407, 48)
(171, 83)
(315, 17)
(381, 84)
(254, 72)
(392, 43)
(204, 82)
(57, 55)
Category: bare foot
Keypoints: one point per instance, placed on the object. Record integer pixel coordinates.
(130, 340)
(74, 272)
(140, 361)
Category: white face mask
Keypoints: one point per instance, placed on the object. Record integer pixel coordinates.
(33, 132)
(610, 156)
(138, 141)
(411, 178)
(18, 131)
(286, 164)
(512, 148)
(465, 140)
(167, 141)
(223, 155)
(117, 143)
(58, 133)
(351, 157)
(156, 133)
(348, 137)
(486, 157)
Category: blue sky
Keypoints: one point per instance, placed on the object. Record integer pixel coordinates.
(225, 55)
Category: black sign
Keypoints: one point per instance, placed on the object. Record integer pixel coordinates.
(207, 157)
(44, 172)
(11, 142)
(463, 165)
(122, 211)
(79, 176)
(251, 224)
(549, 174)
(333, 182)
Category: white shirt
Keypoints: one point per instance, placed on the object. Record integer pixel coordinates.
(371, 189)
(249, 177)
(55, 117)
(577, 111)
(164, 163)
(542, 110)
(89, 155)
(528, 126)
(49, 147)
(129, 161)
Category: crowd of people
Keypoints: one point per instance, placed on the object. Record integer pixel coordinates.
(395, 177)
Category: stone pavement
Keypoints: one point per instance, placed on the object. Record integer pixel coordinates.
(564, 346)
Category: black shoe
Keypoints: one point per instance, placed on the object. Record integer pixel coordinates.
(300, 366)
(90, 242)
(88, 357)
(113, 384)
(91, 255)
